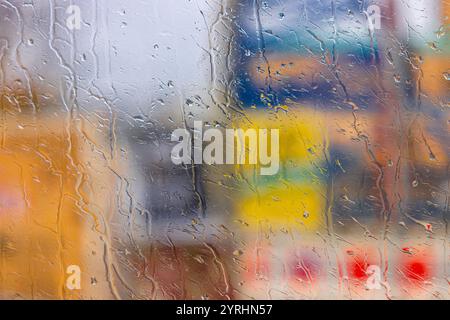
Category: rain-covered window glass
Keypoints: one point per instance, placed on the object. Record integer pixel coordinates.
(251, 149)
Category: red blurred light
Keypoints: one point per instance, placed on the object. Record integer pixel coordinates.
(416, 270)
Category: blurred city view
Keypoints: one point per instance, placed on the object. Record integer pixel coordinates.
(94, 206)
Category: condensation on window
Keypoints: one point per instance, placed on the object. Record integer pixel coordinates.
(252, 149)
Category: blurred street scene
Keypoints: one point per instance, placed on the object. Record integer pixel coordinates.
(93, 205)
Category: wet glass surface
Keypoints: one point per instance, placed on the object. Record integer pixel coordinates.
(278, 149)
